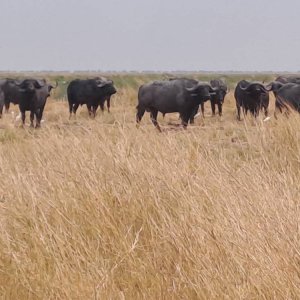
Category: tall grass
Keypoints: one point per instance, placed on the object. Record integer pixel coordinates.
(98, 209)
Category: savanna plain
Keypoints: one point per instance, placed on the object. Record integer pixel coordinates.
(100, 209)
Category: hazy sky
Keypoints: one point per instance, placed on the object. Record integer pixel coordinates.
(166, 35)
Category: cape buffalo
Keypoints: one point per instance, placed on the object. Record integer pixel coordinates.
(287, 79)
(275, 86)
(216, 98)
(251, 96)
(1, 102)
(39, 101)
(287, 96)
(32, 96)
(10, 93)
(213, 92)
(176, 95)
(219, 96)
(285, 91)
(92, 92)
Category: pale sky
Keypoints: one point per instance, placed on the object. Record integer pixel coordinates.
(156, 35)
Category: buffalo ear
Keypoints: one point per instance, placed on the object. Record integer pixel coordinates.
(50, 87)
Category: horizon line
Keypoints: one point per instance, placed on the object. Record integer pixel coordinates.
(151, 71)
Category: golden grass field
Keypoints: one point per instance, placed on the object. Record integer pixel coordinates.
(98, 209)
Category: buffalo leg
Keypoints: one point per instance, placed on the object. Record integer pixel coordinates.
(245, 111)
(256, 112)
(275, 112)
(38, 120)
(2, 102)
(23, 117)
(213, 107)
(31, 118)
(89, 107)
(238, 108)
(102, 106)
(108, 104)
(94, 108)
(153, 116)
(70, 109)
(266, 111)
(220, 109)
(7, 104)
(139, 114)
(39, 115)
(202, 109)
(73, 109)
(194, 112)
(184, 120)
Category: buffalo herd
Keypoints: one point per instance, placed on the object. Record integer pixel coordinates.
(181, 95)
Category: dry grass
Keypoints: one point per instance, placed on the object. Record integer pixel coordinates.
(98, 209)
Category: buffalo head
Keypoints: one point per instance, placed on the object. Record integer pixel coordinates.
(106, 85)
(220, 94)
(29, 85)
(275, 86)
(255, 88)
(201, 92)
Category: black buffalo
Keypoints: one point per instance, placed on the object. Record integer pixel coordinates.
(92, 92)
(176, 95)
(252, 96)
(217, 98)
(1, 102)
(275, 86)
(10, 93)
(288, 79)
(287, 96)
(39, 102)
(33, 94)
(286, 92)
(213, 93)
